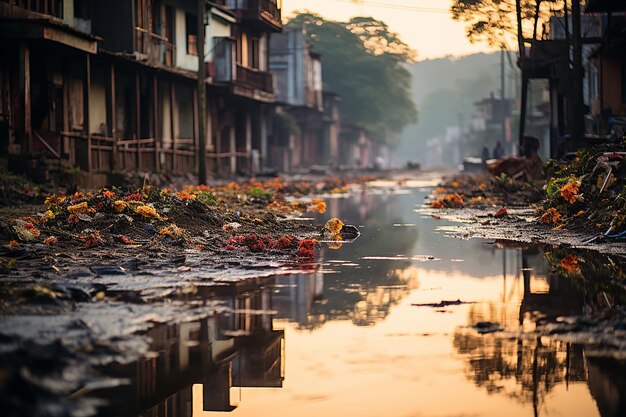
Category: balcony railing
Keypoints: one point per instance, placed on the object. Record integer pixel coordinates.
(47, 7)
(156, 47)
(260, 11)
(253, 78)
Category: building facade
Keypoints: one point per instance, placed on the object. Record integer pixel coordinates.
(111, 86)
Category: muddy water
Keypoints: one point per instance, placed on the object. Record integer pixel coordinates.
(396, 324)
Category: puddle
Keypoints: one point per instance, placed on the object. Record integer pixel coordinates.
(365, 334)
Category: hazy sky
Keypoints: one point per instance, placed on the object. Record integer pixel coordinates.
(424, 24)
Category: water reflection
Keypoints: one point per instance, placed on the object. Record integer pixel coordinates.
(351, 342)
(527, 366)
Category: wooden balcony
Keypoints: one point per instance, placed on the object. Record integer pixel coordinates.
(261, 13)
(252, 78)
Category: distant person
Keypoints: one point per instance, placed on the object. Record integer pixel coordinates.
(498, 152)
(527, 167)
(379, 163)
(485, 154)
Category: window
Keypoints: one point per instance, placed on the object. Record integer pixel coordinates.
(191, 27)
(82, 9)
(253, 53)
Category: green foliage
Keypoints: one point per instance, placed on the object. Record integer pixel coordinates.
(260, 193)
(364, 63)
(207, 198)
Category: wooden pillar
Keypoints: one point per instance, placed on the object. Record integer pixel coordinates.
(522, 118)
(27, 146)
(112, 115)
(173, 124)
(86, 96)
(196, 132)
(232, 149)
(156, 119)
(248, 143)
(138, 119)
(201, 121)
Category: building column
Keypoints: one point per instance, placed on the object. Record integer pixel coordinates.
(156, 119)
(173, 124)
(248, 143)
(265, 114)
(86, 96)
(112, 115)
(137, 120)
(232, 150)
(24, 60)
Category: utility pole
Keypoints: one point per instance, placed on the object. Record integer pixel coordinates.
(202, 174)
(577, 109)
(503, 103)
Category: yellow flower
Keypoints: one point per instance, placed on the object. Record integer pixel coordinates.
(337, 242)
(120, 206)
(334, 225)
(78, 208)
(146, 211)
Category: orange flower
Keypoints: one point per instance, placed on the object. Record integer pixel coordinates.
(108, 194)
(172, 231)
(317, 205)
(571, 263)
(570, 191)
(50, 241)
(449, 200)
(551, 216)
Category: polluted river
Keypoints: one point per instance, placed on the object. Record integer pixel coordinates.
(404, 321)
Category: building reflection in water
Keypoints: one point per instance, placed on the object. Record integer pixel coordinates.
(522, 365)
(235, 347)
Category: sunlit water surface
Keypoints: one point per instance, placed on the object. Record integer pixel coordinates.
(354, 343)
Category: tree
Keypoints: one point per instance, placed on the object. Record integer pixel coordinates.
(497, 22)
(364, 62)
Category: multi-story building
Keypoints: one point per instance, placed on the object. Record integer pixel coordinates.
(299, 95)
(112, 86)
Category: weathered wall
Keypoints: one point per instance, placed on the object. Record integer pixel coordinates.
(97, 101)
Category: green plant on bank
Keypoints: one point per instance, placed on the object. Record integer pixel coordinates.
(207, 198)
(261, 194)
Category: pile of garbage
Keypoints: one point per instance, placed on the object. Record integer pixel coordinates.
(255, 216)
(588, 192)
(485, 191)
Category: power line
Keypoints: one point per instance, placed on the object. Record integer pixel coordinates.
(394, 6)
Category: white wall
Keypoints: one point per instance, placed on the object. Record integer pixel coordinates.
(219, 26)
(183, 60)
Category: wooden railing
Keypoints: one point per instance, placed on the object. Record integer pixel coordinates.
(48, 7)
(266, 11)
(106, 154)
(253, 78)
